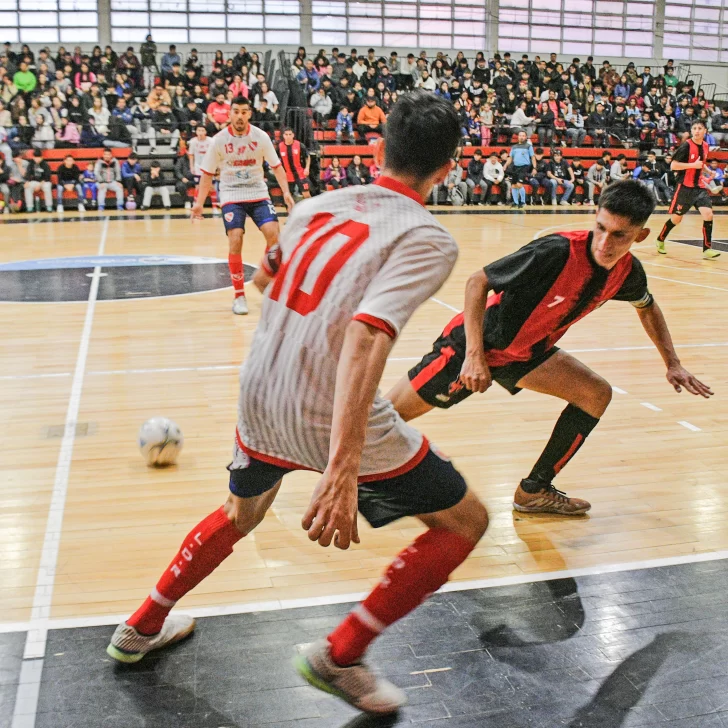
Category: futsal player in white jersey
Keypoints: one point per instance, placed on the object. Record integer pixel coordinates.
(239, 152)
(197, 149)
(356, 263)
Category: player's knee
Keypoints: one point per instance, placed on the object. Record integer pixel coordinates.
(244, 520)
(602, 395)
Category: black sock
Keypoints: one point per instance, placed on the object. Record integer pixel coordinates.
(669, 225)
(570, 431)
(707, 234)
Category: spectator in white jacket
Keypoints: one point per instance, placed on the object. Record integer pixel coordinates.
(596, 177)
(493, 175)
(426, 82)
(618, 170)
(521, 122)
(321, 105)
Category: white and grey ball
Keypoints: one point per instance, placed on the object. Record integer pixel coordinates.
(160, 441)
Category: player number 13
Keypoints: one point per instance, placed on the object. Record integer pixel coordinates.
(298, 300)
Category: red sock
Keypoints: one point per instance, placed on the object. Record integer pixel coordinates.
(235, 263)
(420, 570)
(206, 546)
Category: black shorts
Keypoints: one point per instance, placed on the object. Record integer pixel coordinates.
(436, 377)
(687, 197)
(520, 174)
(432, 485)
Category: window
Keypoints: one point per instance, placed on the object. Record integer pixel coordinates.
(50, 21)
(577, 27)
(237, 22)
(446, 24)
(692, 29)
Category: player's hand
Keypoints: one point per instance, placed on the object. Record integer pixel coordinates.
(290, 202)
(680, 377)
(331, 515)
(475, 374)
(697, 164)
(196, 212)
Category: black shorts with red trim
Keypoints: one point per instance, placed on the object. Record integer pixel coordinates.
(436, 377)
(433, 484)
(687, 197)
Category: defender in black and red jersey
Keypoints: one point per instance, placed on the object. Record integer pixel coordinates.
(510, 336)
(692, 189)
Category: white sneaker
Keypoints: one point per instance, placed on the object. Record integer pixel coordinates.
(188, 205)
(566, 203)
(81, 207)
(240, 305)
(127, 645)
(356, 684)
(59, 209)
(216, 211)
(589, 202)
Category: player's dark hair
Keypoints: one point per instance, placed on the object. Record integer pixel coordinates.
(698, 122)
(240, 101)
(421, 134)
(630, 199)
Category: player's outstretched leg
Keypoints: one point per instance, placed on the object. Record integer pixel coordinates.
(335, 664)
(707, 215)
(671, 223)
(235, 263)
(204, 548)
(589, 396)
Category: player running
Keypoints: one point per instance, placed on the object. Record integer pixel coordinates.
(356, 264)
(691, 190)
(539, 292)
(239, 151)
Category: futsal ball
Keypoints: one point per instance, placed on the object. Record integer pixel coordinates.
(160, 441)
(130, 203)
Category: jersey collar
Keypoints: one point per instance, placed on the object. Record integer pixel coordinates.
(231, 131)
(397, 186)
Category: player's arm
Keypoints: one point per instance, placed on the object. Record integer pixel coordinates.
(475, 374)
(653, 322)
(202, 192)
(680, 160)
(334, 504)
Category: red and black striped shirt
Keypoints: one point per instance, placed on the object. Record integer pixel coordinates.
(689, 151)
(547, 286)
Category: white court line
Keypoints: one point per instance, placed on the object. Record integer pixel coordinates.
(26, 698)
(618, 390)
(651, 406)
(280, 604)
(696, 269)
(228, 367)
(446, 305)
(685, 283)
(687, 425)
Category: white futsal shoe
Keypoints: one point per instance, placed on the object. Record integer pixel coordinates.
(240, 305)
(356, 684)
(127, 645)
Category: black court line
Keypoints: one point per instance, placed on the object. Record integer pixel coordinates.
(646, 647)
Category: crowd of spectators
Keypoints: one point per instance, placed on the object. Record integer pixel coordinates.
(559, 103)
(141, 97)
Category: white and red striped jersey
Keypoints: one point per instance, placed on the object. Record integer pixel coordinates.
(371, 253)
(240, 161)
(197, 148)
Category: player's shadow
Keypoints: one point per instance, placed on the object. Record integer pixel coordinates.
(626, 686)
(552, 611)
(373, 721)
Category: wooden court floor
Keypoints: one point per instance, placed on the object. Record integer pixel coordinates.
(654, 469)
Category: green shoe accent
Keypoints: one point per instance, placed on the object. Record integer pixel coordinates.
(304, 669)
(660, 244)
(710, 254)
(127, 657)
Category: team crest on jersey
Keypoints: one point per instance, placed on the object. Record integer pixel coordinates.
(229, 216)
(253, 145)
